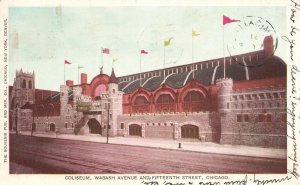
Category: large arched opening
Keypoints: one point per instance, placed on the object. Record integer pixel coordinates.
(135, 130)
(165, 103)
(190, 131)
(52, 127)
(94, 126)
(140, 104)
(194, 101)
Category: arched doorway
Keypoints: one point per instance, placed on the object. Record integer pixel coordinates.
(135, 130)
(52, 127)
(190, 131)
(94, 126)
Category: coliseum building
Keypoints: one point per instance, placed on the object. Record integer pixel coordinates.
(193, 101)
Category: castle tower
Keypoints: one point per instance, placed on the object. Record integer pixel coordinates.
(224, 108)
(115, 98)
(77, 91)
(64, 97)
(224, 91)
(23, 89)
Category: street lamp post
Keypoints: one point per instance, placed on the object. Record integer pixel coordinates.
(107, 132)
(32, 122)
(16, 120)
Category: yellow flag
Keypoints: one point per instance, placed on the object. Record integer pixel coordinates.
(115, 59)
(79, 67)
(194, 33)
(167, 42)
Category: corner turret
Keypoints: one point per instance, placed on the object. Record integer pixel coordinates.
(224, 92)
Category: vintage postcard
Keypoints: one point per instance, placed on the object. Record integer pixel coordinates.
(148, 93)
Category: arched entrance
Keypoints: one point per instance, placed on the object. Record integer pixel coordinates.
(94, 126)
(135, 130)
(190, 131)
(52, 127)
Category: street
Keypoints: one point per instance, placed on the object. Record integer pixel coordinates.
(60, 156)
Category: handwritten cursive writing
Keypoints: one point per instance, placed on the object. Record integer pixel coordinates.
(292, 44)
(263, 182)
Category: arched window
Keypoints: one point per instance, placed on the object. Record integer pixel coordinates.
(165, 98)
(140, 100)
(165, 103)
(194, 102)
(29, 84)
(100, 89)
(24, 84)
(193, 96)
(140, 105)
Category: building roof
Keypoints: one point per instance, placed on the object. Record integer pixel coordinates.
(249, 66)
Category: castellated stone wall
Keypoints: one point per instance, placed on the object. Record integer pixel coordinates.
(257, 118)
(43, 123)
(169, 125)
(253, 133)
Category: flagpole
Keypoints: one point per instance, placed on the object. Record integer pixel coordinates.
(164, 61)
(101, 69)
(223, 53)
(193, 55)
(78, 76)
(140, 69)
(64, 72)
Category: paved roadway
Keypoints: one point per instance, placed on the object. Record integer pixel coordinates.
(48, 155)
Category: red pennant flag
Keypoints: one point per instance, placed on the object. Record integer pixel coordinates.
(227, 20)
(144, 52)
(105, 51)
(67, 62)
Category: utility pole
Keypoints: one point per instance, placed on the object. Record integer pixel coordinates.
(16, 120)
(107, 132)
(32, 122)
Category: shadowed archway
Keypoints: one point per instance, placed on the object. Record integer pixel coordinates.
(94, 126)
(190, 131)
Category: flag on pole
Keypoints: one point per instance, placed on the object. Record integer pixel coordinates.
(105, 51)
(227, 20)
(194, 33)
(144, 52)
(79, 67)
(167, 42)
(67, 62)
(114, 60)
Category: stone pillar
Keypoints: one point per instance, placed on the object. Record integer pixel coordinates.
(176, 131)
(143, 130)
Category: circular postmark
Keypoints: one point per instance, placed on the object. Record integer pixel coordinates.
(249, 35)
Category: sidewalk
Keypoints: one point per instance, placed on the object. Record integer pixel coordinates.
(206, 147)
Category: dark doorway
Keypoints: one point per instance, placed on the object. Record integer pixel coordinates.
(52, 127)
(33, 127)
(190, 131)
(135, 130)
(94, 126)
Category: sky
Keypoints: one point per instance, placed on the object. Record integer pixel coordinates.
(41, 38)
